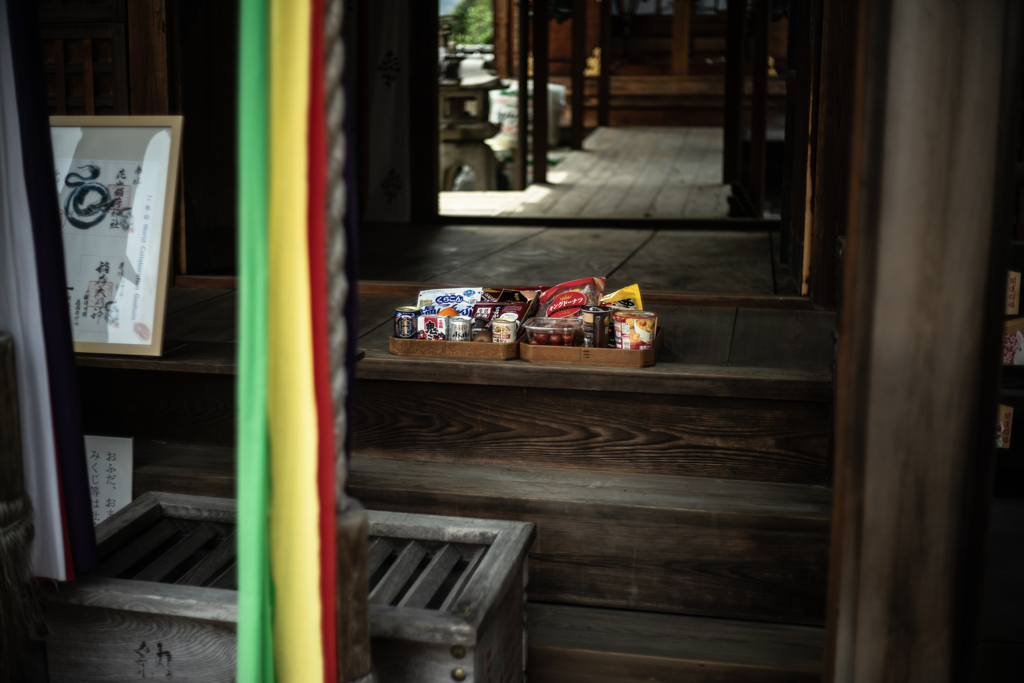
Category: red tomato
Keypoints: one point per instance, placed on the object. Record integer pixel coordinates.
(555, 339)
(541, 337)
(534, 342)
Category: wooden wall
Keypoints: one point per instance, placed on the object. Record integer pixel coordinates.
(158, 57)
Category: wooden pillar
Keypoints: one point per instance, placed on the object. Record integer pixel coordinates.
(579, 64)
(604, 79)
(424, 139)
(832, 157)
(681, 37)
(733, 92)
(759, 105)
(522, 73)
(540, 91)
(919, 353)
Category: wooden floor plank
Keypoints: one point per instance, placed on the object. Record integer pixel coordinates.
(701, 261)
(652, 179)
(791, 339)
(675, 192)
(583, 189)
(554, 256)
(592, 645)
(421, 253)
(537, 200)
(624, 178)
(774, 384)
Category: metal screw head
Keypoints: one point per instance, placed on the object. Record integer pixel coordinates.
(458, 674)
(458, 651)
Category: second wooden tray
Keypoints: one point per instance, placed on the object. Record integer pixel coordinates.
(578, 355)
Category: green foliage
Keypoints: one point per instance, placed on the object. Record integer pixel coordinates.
(473, 23)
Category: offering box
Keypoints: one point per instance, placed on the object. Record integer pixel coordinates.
(446, 597)
(578, 355)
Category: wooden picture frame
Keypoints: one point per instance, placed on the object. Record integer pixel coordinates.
(87, 150)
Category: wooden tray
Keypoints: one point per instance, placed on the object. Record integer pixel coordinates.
(421, 348)
(578, 355)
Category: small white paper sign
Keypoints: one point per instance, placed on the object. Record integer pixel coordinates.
(109, 466)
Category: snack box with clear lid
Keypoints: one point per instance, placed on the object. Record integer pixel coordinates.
(554, 331)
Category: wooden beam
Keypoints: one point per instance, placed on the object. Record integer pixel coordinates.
(147, 57)
(733, 92)
(540, 91)
(579, 64)
(681, 37)
(936, 91)
(759, 110)
(522, 73)
(604, 79)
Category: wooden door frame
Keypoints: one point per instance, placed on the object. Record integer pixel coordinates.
(918, 365)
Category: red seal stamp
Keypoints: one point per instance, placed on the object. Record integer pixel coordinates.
(122, 196)
(1011, 345)
(98, 293)
(142, 331)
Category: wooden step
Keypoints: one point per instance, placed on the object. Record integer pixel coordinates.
(721, 403)
(668, 419)
(570, 644)
(692, 545)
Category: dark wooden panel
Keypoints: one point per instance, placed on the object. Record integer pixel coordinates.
(785, 282)
(695, 335)
(701, 261)
(198, 470)
(783, 339)
(88, 63)
(711, 437)
(147, 35)
(733, 549)
(50, 11)
(211, 320)
(180, 298)
(175, 406)
(1003, 613)
(591, 645)
(419, 253)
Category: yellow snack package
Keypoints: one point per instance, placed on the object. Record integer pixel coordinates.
(626, 299)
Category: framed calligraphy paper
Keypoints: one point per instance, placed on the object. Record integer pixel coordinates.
(116, 179)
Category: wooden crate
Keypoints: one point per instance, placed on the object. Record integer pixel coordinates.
(446, 597)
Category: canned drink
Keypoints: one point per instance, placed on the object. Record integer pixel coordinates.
(460, 328)
(597, 326)
(635, 329)
(503, 331)
(432, 327)
(405, 322)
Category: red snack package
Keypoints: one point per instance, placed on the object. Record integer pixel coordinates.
(566, 300)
